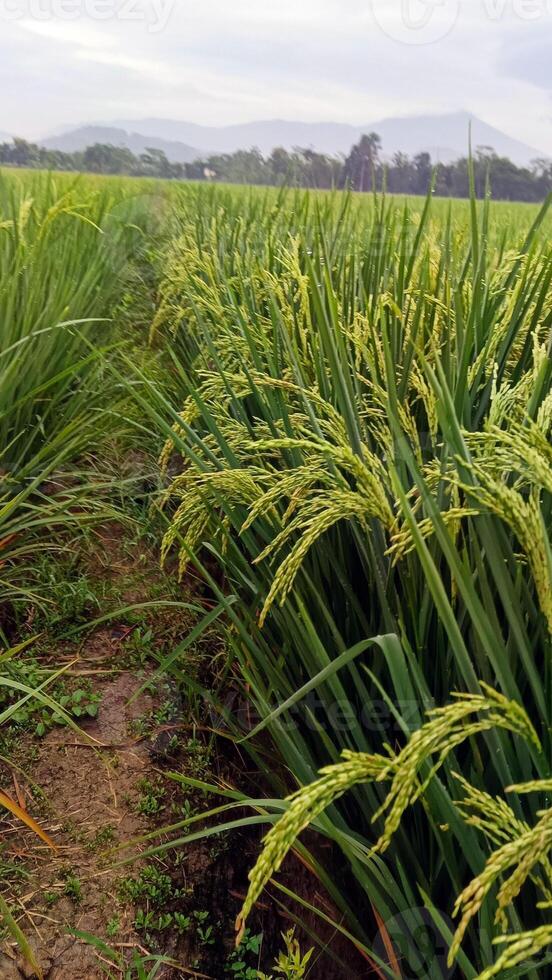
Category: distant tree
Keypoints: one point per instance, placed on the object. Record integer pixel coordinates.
(155, 163)
(194, 170)
(24, 154)
(423, 171)
(319, 170)
(104, 158)
(363, 169)
(362, 162)
(281, 165)
(400, 174)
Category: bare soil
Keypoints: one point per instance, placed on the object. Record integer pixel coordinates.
(96, 790)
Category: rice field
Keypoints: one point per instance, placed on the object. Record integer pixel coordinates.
(329, 416)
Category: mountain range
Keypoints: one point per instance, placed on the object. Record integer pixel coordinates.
(445, 137)
(83, 136)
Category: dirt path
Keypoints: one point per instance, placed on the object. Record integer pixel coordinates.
(96, 790)
(93, 795)
(92, 798)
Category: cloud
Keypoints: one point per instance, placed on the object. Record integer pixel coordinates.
(219, 63)
(154, 70)
(73, 33)
(529, 58)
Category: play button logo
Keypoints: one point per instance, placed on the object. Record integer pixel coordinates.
(416, 22)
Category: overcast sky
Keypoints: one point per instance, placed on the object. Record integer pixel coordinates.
(65, 62)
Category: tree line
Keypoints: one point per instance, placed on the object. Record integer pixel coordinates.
(362, 170)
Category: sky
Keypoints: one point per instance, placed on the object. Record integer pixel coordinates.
(69, 62)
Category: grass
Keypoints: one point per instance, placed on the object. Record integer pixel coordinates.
(66, 247)
(48, 371)
(354, 394)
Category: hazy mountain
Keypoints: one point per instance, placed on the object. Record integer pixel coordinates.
(79, 139)
(445, 137)
(266, 134)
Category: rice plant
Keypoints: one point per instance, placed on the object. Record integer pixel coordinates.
(65, 246)
(62, 255)
(365, 445)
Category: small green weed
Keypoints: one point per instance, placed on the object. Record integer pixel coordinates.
(138, 647)
(113, 926)
(73, 888)
(79, 704)
(239, 962)
(291, 964)
(102, 838)
(152, 797)
(151, 886)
